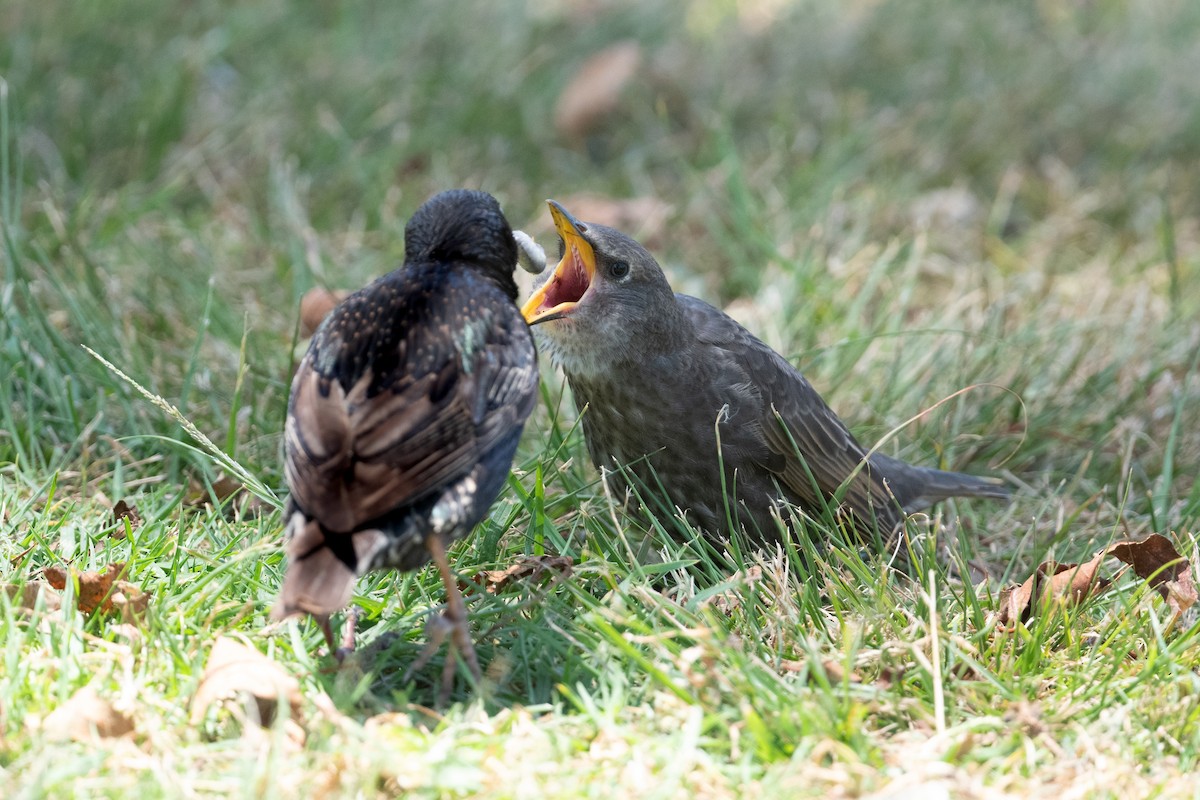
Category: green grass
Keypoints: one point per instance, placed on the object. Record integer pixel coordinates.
(908, 199)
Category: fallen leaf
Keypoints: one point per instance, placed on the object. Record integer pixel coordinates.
(102, 591)
(532, 568)
(1153, 559)
(315, 306)
(1051, 580)
(86, 715)
(225, 487)
(222, 489)
(235, 670)
(31, 592)
(1156, 560)
(124, 511)
(131, 601)
(95, 588)
(594, 92)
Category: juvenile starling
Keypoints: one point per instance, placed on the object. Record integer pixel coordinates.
(405, 414)
(681, 399)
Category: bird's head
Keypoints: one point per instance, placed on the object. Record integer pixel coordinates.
(606, 301)
(462, 225)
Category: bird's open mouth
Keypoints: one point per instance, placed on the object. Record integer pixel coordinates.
(571, 279)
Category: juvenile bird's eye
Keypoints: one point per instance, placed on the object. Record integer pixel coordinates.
(618, 269)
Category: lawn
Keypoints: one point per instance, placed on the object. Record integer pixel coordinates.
(974, 226)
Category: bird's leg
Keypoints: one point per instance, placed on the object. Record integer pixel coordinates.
(351, 626)
(326, 629)
(453, 621)
(435, 631)
(455, 614)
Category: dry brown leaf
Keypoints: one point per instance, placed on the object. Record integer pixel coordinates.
(86, 712)
(1153, 558)
(96, 589)
(1051, 580)
(223, 488)
(131, 601)
(1156, 560)
(595, 90)
(125, 511)
(30, 592)
(315, 307)
(532, 568)
(233, 669)
(102, 591)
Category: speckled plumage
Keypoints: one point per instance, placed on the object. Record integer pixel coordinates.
(406, 410)
(659, 376)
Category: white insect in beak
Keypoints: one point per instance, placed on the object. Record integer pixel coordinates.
(530, 254)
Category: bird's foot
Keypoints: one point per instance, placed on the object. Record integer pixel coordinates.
(438, 629)
(452, 621)
(460, 640)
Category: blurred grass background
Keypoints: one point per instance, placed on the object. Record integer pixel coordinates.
(907, 198)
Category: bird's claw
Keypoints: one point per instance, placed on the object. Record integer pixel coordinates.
(437, 630)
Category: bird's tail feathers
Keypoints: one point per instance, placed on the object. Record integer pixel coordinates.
(322, 567)
(939, 485)
(917, 488)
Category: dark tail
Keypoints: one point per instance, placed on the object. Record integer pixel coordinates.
(322, 567)
(917, 488)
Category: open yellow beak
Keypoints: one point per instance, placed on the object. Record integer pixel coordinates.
(555, 298)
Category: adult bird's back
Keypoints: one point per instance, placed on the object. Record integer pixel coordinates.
(405, 413)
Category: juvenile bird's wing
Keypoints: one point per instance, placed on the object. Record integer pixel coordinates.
(376, 425)
(809, 448)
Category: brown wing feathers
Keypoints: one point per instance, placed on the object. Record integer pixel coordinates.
(396, 404)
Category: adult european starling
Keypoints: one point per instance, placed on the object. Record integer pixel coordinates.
(681, 399)
(405, 414)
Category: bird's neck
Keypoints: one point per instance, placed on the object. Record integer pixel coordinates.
(485, 273)
(630, 346)
(499, 278)
(663, 333)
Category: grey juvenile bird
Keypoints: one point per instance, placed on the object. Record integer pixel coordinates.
(657, 376)
(405, 414)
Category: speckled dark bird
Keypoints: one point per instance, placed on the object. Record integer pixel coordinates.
(405, 414)
(659, 376)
